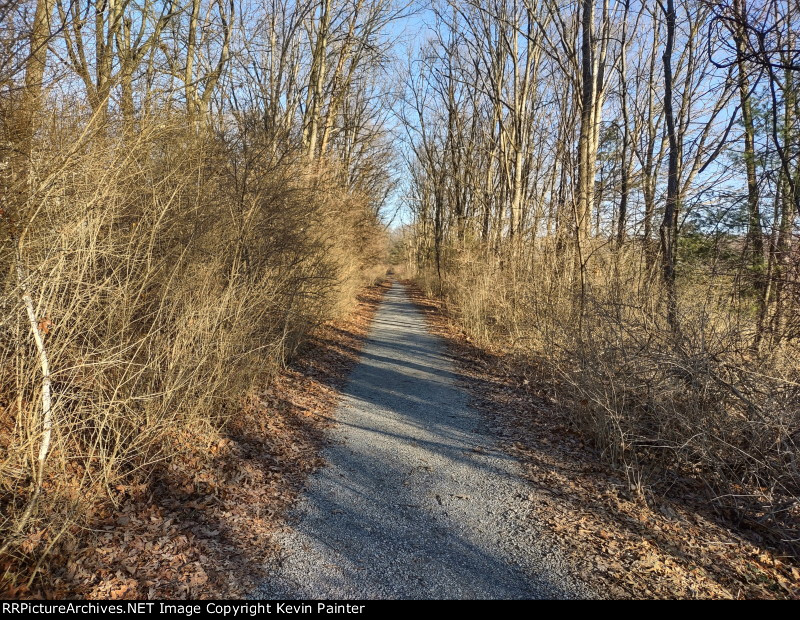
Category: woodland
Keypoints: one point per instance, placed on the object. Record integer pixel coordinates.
(606, 191)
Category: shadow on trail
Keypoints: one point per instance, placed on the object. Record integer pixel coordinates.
(413, 499)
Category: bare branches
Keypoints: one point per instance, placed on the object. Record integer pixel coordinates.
(549, 140)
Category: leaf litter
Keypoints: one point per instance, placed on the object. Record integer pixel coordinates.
(201, 526)
(662, 543)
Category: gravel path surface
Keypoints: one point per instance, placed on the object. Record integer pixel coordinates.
(416, 500)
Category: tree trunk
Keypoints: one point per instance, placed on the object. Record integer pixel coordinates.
(669, 225)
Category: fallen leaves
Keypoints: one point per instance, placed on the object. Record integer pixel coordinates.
(201, 526)
(623, 543)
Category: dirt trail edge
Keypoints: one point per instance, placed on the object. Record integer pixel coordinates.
(416, 499)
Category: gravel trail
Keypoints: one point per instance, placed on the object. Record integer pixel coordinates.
(416, 499)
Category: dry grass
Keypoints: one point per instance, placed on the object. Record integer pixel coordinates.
(165, 282)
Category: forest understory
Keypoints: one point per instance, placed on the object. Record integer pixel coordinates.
(665, 540)
(605, 197)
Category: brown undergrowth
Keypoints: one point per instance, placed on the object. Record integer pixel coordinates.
(200, 525)
(668, 542)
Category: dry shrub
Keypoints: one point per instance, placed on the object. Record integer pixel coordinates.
(699, 405)
(165, 286)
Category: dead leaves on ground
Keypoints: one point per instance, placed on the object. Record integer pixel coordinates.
(623, 544)
(201, 525)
